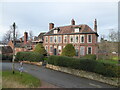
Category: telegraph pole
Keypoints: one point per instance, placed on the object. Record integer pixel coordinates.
(14, 27)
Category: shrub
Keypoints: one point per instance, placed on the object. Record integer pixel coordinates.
(69, 51)
(29, 56)
(90, 56)
(6, 57)
(106, 69)
(40, 49)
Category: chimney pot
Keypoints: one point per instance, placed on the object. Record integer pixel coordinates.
(25, 37)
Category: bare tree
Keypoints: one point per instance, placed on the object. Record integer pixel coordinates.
(113, 35)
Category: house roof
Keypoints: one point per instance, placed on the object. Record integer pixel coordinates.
(70, 29)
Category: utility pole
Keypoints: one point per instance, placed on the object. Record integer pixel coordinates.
(14, 27)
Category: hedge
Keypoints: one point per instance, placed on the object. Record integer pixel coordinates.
(6, 57)
(29, 56)
(105, 69)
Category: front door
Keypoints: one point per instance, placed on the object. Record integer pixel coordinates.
(55, 51)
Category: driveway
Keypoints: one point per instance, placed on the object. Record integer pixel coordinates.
(56, 78)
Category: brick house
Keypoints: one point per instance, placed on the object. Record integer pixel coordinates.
(83, 38)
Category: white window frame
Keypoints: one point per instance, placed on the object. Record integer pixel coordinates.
(70, 38)
(84, 50)
(46, 48)
(60, 39)
(50, 39)
(81, 38)
(88, 38)
(54, 39)
(89, 47)
(77, 30)
(46, 38)
(64, 39)
(55, 31)
(50, 49)
(76, 40)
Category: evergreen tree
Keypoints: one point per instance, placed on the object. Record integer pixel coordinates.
(69, 51)
(40, 49)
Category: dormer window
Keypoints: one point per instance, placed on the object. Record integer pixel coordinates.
(77, 30)
(55, 31)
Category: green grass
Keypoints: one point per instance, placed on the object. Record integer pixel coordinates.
(10, 80)
(109, 61)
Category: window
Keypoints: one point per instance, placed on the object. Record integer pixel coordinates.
(71, 39)
(76, 39)
(81, 38)
(76, 30)
(77, 51)
(59, 39)
(51, 49)
(89, 39)
(46, 48)
(51, 39)
(46, 39)
(55, 31)
(89, 50)
(55, 39)
(82, 50)
(65, 39)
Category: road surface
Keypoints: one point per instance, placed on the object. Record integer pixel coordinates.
(56, 78)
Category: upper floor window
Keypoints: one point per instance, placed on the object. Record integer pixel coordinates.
(51, 39)
(71, 39)
(65, 39)
(55, 39)
(89, 38)
(89, 50)
(77, 30)
(46, 39)
(55, 31)
(59, 39)
(76, 39)
(81, 38)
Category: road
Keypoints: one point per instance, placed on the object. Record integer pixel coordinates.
(56, 78)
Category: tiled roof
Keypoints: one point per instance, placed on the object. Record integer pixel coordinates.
(70, 29)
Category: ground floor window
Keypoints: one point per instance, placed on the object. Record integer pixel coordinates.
(51, 49)
(82, 50)
(89, 50)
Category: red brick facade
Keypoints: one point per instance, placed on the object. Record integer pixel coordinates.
(83, 38)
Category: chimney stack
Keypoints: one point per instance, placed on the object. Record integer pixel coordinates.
(95, 25)
(25, 37)
(51, 26)
(72, 22)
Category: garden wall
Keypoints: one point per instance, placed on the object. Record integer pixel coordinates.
(85, 74)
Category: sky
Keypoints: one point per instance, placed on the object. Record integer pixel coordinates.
(36, 16)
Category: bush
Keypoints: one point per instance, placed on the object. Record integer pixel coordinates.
(29, 56)
(105, 69)
(6, 57)
(40, 49)
(69, 51)
(90, 56)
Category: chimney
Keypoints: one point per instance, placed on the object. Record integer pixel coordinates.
(25, 37)
(51, 26)
(72, 22)
(95, 25)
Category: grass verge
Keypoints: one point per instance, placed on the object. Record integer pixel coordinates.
(10, 80)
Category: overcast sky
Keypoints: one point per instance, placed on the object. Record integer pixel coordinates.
(36, 16)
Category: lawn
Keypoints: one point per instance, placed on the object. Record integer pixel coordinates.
(10, 80)
(109, 61)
